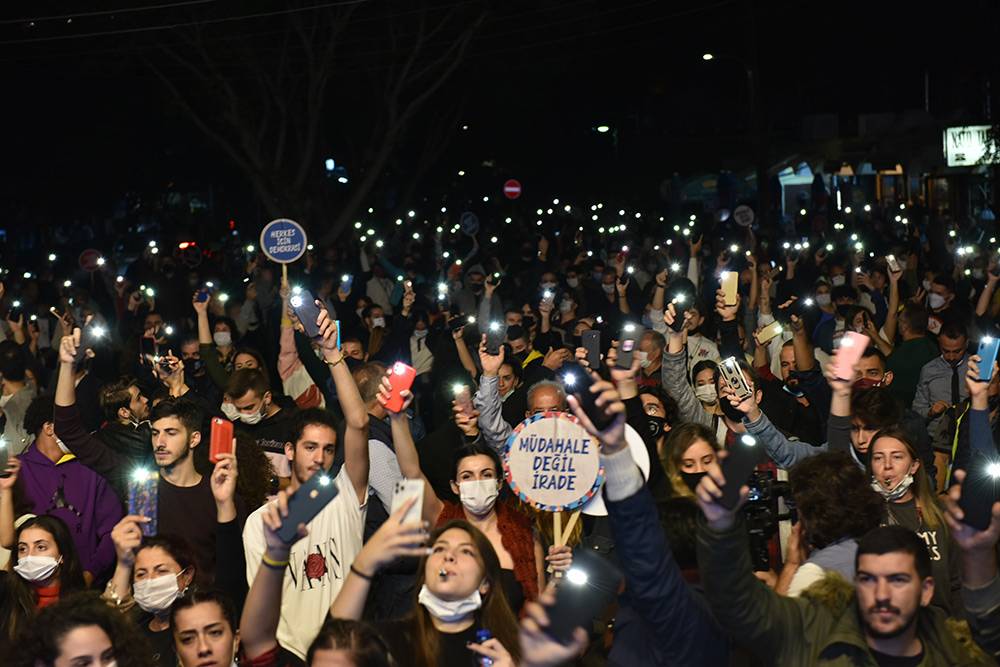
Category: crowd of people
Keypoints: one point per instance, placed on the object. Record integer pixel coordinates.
(131, 544)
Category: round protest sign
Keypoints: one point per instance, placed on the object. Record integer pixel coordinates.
(743, 215)
(637, 448)
(283, 241)
(552, 463)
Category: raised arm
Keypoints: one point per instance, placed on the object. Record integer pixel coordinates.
(262, 610)
(892, 316)
(393, 540)
(464, 356)
(406, 449)
(495, 430)
(355, 415)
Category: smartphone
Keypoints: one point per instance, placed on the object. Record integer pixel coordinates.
(801, 306)
(493, 279)
(623, 279)
(631, 334)
(980, 489)
(143, 497)
(403, 491)
(307, 311)
(4, 457)
(401, 380)
(591, 341)
(730, 284)
(90, 335)
(578, 383)
(737, 467)
(734, 377)
(456, 322)
(15, 311)
(988, 347)
(462, 396)
(770, 332)
(588, 587)
(203, 295)
(893, 264)
(848, 354)
(308, 501)
(147, 345)
(548, 296)
(496, 332)
(346, 281)
(680, 300)
(221, 438)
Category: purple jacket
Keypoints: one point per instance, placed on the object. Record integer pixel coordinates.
(77, 495)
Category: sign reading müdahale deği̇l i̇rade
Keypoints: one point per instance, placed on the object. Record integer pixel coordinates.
(552, 463)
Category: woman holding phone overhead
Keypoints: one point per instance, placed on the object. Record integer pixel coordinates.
(478, 481)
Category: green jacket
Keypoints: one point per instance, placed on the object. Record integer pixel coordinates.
(820, 628)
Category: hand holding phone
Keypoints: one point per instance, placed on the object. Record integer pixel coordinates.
(631, 335)
(143, 498)
(591, 341)
(307, 310)
(848, 354)
(400, 379)
(221, 439)
(496, 333)
(589, 586)
(730, 286)
(739, 463)
(980, 489)
(988, 347)
(307, 501)
(578, 383)
(403, 491)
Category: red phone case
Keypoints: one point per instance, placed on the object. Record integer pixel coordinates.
(222, 439)
(400, 379)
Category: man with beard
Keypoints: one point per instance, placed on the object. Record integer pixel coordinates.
(884, 619)
(185, 503)
(126, 410)
(318, 563)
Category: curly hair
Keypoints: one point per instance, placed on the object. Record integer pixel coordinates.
(41, 643)
(253, 469)
(834, 498)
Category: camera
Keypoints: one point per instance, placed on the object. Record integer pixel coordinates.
(762, 514)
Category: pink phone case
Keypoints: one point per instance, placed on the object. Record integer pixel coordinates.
(848, 354)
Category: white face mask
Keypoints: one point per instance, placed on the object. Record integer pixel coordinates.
(449, 611)
(935, 301)
(823, 300)
(420, 333)
(926, 284)
(479, 495)
(573, 282)
(565, 305)
(62, 446)
(222, 338)
(895, 493)
(608, 289)
(36, 568)
(232, 414)
(837, 281)
(643, 358)
(378, 323)
(157, 594)
(706, 394)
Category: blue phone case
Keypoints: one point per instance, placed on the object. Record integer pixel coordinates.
(988, 348)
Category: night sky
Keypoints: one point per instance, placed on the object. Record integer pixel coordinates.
(85, 121)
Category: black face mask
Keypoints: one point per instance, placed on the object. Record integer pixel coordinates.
(691, 479)
(521, 356)
(655, 425)
(196, 366)
(476, 287)
(729, 410)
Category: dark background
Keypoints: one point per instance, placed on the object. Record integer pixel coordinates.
(84, 121)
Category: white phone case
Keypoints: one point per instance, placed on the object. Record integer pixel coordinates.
(403, 491)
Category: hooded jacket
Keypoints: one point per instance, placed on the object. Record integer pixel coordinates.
(80, 497)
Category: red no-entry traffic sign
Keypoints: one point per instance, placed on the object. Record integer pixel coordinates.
(512, 189)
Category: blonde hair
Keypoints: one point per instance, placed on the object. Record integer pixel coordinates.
(680, 440)
(922, 489)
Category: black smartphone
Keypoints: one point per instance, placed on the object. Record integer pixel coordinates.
(578, 383)
(743, 457)
(90, 335)
(591, 341)
(496, 333)
(588, 587)
(631, 335)
(456, 322)
(980, 490)
(308, 501)
(15, 312)
(307, 311)
(493, 279)
(147, 346)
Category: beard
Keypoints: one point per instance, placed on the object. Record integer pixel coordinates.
(877, 634)
(181, 457)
